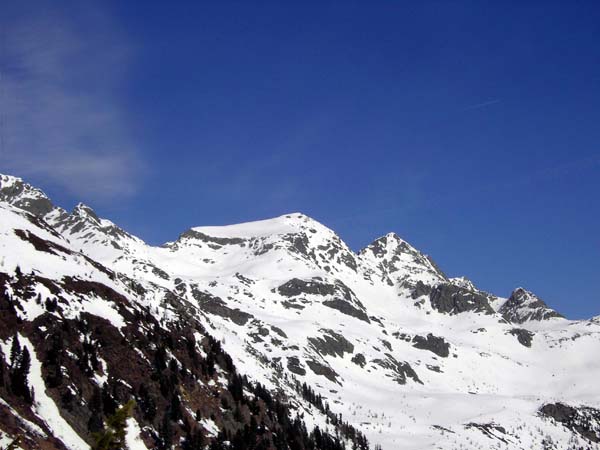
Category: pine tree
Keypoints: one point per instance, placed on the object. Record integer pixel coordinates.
(15, 351)
(20, 364)
(23, 374)
(113, 436)
(109, 403)
(175, 408)
(146, 403)
(1, 370)
(165, 439)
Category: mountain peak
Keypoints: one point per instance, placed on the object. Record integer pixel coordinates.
(402, 262)
(524, 306)
(15, 191)
(85, 212)
(463, 282)
(286, 224)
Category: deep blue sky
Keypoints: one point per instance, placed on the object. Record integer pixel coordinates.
(471, 129)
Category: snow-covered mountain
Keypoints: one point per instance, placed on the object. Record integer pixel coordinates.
(408, 357)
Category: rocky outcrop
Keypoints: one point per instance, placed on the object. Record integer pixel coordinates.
(491, 430)
(359, 360)
(344, 299)
(216, 306)
(24, 196)
(295, 287)
(524, 306)
(448, 298)
(402, 264)
(331, 343)
(294, 366)
(399, 371)
(432, 343)
(346, 308)
(525, 337)
(583, 420)
(201, 237)
(323, 370)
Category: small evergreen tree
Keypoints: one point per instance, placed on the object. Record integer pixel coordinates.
(15, 351)
(113, 436)
(20, 364)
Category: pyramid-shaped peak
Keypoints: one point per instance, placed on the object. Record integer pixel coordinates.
(463, 282)
(389, 244)
(524, 306)
(521, 292)
(84, 211)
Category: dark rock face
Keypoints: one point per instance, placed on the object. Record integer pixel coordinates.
(279, 331)
(525, 337)
(400, 370)
(359, 360)
(42, 245)
(326, 371)
(160, 273)
(298, 243)
(346, 308)
(335, 251)
(491, 430)
(244, 280)
(582, 420)
(295, 287)
(84, 219)
(420, 289)
(216, 306)
(293, 365)
(345, 300)
(36, 204)
(291, 305)
(193, 234)
(331, 343)
(523, 306)
(432, 343)
(450, 299)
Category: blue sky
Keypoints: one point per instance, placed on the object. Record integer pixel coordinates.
(470, 129)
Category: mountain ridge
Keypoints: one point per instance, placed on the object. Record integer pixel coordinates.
(291, 304)
(15, 190)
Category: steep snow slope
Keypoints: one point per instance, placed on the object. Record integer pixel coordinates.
(412, 358)
(97, 338)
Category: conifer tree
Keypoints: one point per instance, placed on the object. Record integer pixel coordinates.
(15, 351)
(113, 436)
(165, 439)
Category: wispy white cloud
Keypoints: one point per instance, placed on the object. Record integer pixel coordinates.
(480, 105)
(60, 115)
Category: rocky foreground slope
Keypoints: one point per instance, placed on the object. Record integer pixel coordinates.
(272, 334)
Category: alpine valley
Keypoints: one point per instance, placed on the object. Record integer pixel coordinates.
(271, 335)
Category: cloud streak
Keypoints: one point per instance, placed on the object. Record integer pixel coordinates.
(60, 117)
(480, 105)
